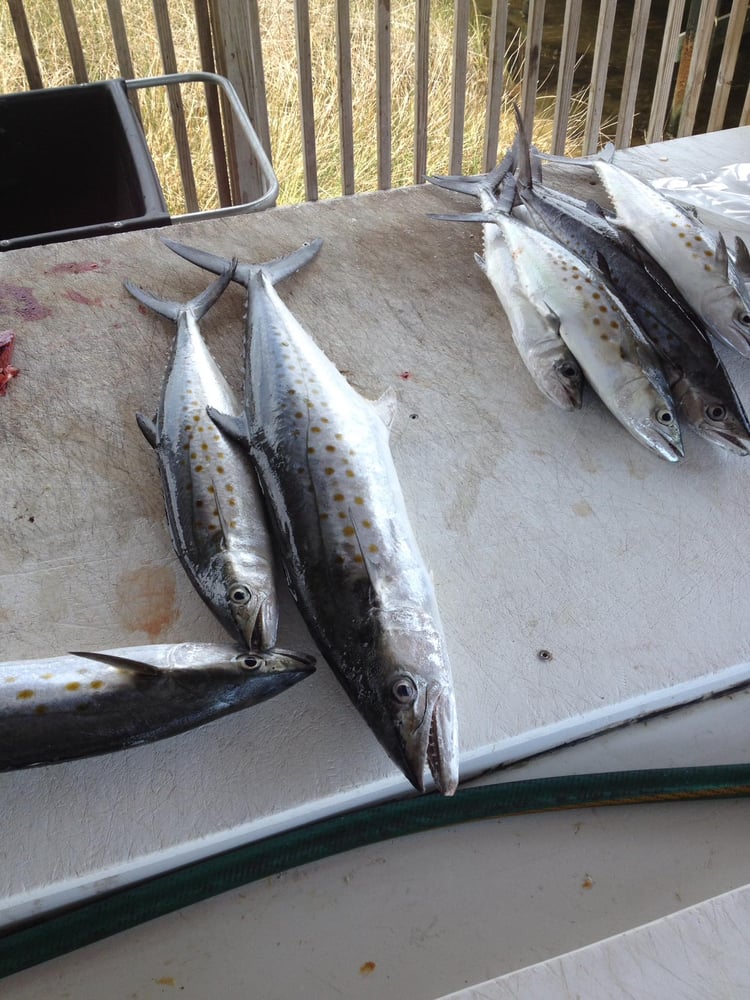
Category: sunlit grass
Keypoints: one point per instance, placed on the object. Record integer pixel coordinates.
(280, 60)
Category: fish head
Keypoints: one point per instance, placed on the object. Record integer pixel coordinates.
(406, 697)
(652, 412)
(719, 421)
(260, 674)
(727, 313)
(565, 383)
(253, 609)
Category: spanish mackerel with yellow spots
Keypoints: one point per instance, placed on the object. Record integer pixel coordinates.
(62, 708)
(695, 259)
(321, 451)
(214, 509)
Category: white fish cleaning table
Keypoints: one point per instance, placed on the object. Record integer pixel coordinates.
(582, 581)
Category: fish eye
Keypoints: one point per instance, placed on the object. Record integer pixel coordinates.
(239, 594)
(664, 417)
(404, 690)
(251, 662)
(716, 412)
(744, 318)
(568, 370)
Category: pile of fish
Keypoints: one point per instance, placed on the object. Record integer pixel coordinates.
(629, 302)
(303, 460)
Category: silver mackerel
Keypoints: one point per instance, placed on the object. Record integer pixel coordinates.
(215, 512)
(322, 454)
(62, 708)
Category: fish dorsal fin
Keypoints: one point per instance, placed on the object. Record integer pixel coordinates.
(234, 427)
(386, 406)
(742, 258)
(121, 663)
(722, 257)
(148, 429)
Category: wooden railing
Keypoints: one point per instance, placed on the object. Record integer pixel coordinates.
(231, 41)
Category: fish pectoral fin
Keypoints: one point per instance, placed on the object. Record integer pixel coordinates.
(722, 258)
(148, 429)
(386, 406)
(223, 525)
(121, 662)
(742, 258)
(549, 314)
(233, 427)
(466, 217)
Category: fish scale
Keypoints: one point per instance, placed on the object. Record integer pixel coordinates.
(322, 456)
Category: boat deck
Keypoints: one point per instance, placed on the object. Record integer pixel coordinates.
(544, 531)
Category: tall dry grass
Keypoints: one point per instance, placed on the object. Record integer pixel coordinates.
(279, 54)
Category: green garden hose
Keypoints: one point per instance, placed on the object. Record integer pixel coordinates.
(22, 947)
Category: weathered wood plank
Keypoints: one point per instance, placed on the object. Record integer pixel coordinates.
(534, 27)
(73, 41)
(663, 85)
(213, 103)
(495, 81)
(458, 84)
(633, 62)
(25, 44)
(346, 118)
(422, 84)
(568, 51)
(697, 72)
(602, 47)
(727, 66)
(384, 90)
(307, 106)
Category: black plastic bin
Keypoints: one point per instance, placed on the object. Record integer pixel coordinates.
(74, 163)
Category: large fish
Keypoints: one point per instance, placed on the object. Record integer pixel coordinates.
(549, 362)
(352, 562)
(214, 508)
(61, 708)
(698, 381)
(694, 257)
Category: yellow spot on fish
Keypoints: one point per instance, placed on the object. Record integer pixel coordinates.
(372, 548)
(310, 451)
(193, 454)
(707, 267)
(358, 559)
(41, 709)
(197, 418)
(614, 324)
(348, 531)
(199, 468)
(315, 430)
(198, 503)
(350, 473)
(324, 517)
(330, 447)
(708, 253)
(96, 685)
(338, 497)
(603, 309)
(73, 686)
(298, 415)
(596, 295)
(367, 523)
(220, 469)
(46, 677)
(338, 436)
(342, 515)
(339, 559)
(324, 420)
(232, 502)
(291, 392)
(328, 471)
(596, 321)
(212, 527)
(211, 488)
(204, 446)
(23, 695)
(232, 524)
(359, 500)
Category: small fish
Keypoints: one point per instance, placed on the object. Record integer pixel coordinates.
(695, 259)
(62, 708)
(550, 363)
(215, 512)
(321, 452)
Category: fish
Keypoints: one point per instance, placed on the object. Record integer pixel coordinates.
(548, 360)
(215, 511)
(352, 562)
(696, 376)
(83, 704)
(695, 258)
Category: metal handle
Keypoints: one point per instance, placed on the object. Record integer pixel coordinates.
(268, 198)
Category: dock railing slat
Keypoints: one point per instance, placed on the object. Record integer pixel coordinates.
(73, 41)
(421, 88)
(696, 74)
(384, 91)
(458, 84)
(727, 65)
(25, 42)
(633, 62)
(667, 58)
(602, 48)
(564, 92)
(176, 105)
(495, 82)
(346, 116)
(307, 105)
(532, 57)
(213, 103)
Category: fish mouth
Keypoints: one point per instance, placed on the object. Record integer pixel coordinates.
(730, 441)
(433, 743)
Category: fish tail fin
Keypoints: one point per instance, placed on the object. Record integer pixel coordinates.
(198, 306)
(476, 184)
(276, 270)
